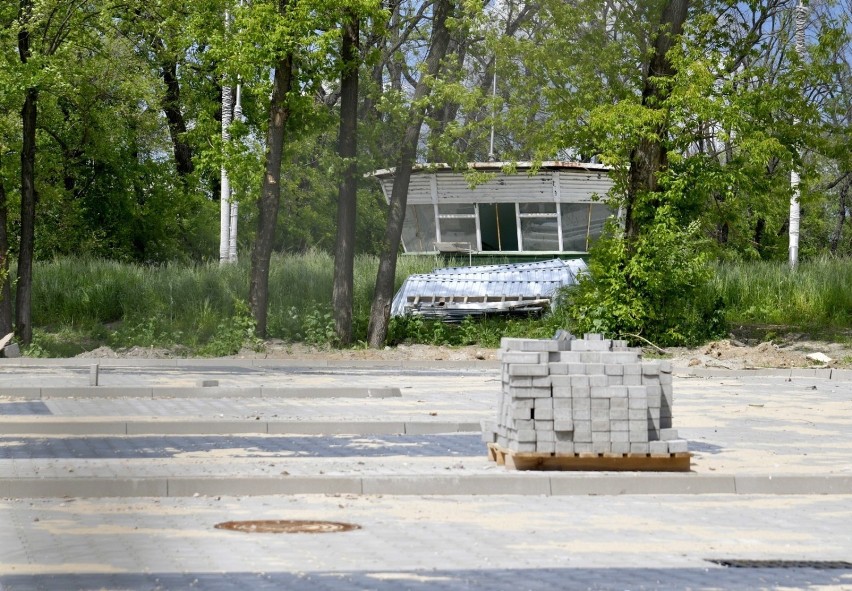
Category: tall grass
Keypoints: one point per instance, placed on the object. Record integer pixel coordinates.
(816, 296)
(92, 302)
(80, 304)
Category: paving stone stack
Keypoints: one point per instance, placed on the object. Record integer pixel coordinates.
(577, 396)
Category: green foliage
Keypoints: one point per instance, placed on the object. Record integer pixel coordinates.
(233, 333)
(658, 291)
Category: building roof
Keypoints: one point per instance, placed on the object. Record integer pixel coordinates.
(499, 167)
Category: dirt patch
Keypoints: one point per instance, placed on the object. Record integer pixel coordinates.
(733, 354)
(725, 354)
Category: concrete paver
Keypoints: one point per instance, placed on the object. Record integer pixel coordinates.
(654, 542)
(767, 441)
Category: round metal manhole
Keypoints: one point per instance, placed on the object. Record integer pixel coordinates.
(287, 526)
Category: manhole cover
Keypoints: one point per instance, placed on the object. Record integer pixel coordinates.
(817, 564)
(287, 526)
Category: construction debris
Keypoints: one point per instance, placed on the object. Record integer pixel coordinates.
(454, 293)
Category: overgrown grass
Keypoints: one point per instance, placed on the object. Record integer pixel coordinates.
(80, 304)
(816, 297)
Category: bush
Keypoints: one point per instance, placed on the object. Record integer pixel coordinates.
(656, 288)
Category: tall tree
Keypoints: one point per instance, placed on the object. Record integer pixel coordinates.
(344, 254)
(270, 196)
(650, 156)
(29, 115)
(5, 287)
(439, 41)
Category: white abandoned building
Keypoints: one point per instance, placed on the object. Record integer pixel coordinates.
(554, 209)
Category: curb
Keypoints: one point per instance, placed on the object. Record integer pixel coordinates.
(203, 363)
(49, 426)
(154, 392)
(536, 483)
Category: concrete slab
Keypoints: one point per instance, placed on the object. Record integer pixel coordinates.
(794, 485)
(497, 484)
(196, 392)
(336, 427)
(640, 483)
(283, 485)
(84, 487)
(96, 392)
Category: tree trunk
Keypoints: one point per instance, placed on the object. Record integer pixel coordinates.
(29, 112)
(279, 113)
(344, 254)
(650, 157)
(174, 116)
(5, 284)
(380, 309)
(842, 206)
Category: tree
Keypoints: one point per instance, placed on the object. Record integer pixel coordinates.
(279, 114)
(29, 115)
(650, 157)
(438, 44)
(344, 254)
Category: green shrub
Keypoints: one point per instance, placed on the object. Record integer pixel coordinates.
(657, 288)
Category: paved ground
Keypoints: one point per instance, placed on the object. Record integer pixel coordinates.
(405, 469)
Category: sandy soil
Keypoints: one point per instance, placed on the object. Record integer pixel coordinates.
(725, 354)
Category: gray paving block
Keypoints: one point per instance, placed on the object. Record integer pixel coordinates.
(529, 345)
(677, 446)
(564, 447)
(563, 414)
(621, 447)
(523, 370)
(563, 425)
(547, 447)
(668, 434)
(510, 357)
(658, 447)
(558, 368)
(614, 380)
(560, 381)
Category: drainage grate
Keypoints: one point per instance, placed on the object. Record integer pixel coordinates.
(287, 526)
(816, 564)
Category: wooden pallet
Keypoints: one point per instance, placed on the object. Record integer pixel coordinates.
(676, 462)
